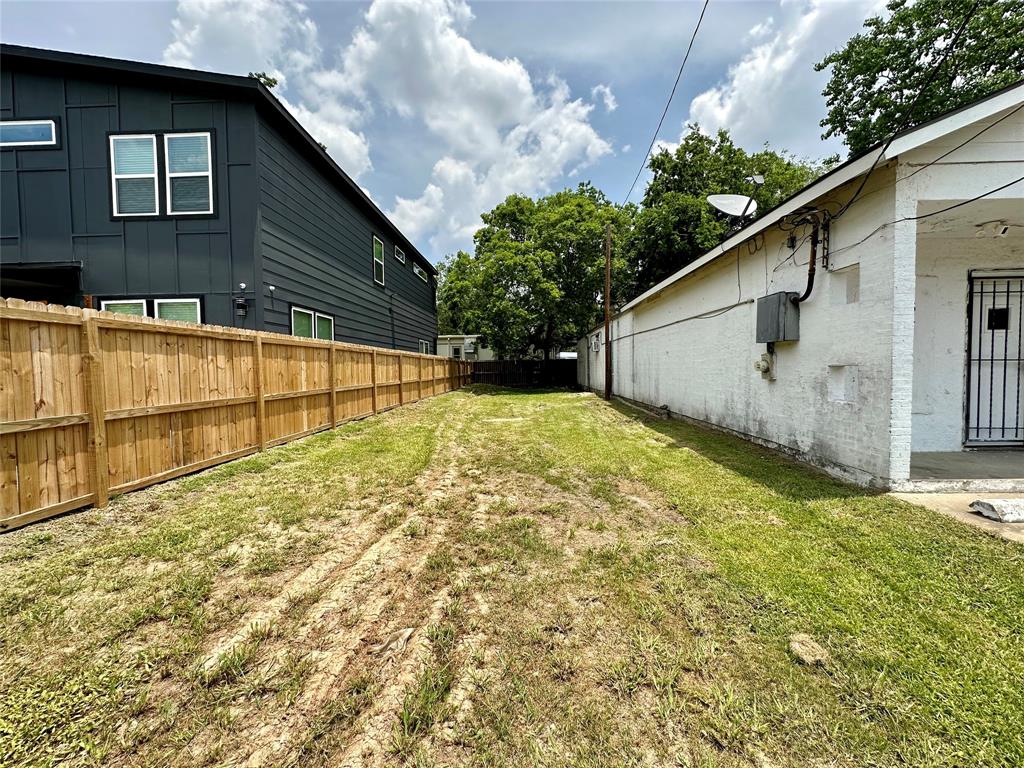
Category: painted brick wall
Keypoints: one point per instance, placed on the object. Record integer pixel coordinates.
(704, 368)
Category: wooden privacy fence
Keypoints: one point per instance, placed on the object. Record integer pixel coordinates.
(94, 404)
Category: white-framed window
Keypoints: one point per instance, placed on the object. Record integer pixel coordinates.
(177, 309)
(378, 260)
(324, 327)
(28, 133)
(188, 310)
(312, 325)
(189, 170)
(421, 273)
(133, 174)
(135, 307)
(400, 254)
(424, 347)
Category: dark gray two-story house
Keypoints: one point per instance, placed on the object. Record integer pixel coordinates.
(191, 195)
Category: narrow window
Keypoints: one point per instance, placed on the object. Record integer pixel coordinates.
(324, 327)
(378, 261)
(424, 347)
(421, 273)
(178, 309)
(28, 133)
(125, 306)
(189, 175)
(302, 322)
(133, 175)
(400, 254)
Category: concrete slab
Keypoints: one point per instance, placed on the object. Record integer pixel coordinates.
(957, 506)
(962, 465)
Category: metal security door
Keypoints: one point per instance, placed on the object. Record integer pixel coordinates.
(995, 370)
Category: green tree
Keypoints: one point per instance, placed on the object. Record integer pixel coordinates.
(268, 80)
(877, 82)
(677, 225)
(535, 280)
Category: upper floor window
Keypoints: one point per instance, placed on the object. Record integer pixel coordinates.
(189, 174)
(378, 260)
(400, 254)
(28, 133)
(421, 273)
(133, 175)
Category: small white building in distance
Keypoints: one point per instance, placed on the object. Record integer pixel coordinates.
(463, 346)
(870, 324)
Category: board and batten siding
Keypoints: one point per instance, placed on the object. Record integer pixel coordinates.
(56, 202)
(316, 249)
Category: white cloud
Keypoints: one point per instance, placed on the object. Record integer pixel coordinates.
(499, 130)
(604, 93)
(626, 148)
(773, 93)
(276, 36)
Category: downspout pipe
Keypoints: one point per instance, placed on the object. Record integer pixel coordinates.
(812, 265)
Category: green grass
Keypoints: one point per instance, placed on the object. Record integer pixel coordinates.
(615, 590)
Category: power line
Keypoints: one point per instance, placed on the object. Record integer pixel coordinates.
(664, 112)
(740, 303)
(880, 227)
(913, 104)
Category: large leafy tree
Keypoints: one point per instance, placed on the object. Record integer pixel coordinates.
(676, 224)
(883, 79)
(535, 280)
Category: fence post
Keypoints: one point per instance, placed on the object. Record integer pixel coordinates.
(261, 414)
(373, 378)
(401, 386)
(331, 383)
(96, 404)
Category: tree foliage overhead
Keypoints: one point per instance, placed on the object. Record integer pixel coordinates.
(677, 225)
(877, 76)
(535, 280)
(268, 80)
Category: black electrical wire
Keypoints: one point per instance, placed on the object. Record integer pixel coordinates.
(679, 74)
(944, 155)
(711, 313)
(880, 227)
(931, 76)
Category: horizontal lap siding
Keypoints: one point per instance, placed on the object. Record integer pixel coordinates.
(171, 398)
(317, 251)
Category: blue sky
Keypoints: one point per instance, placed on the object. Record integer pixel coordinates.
(441, 108)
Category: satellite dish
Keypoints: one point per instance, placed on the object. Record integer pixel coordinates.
(734, 205)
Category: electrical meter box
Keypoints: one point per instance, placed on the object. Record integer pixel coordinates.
(778, 318)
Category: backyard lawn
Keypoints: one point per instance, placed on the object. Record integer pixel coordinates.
(503, 578)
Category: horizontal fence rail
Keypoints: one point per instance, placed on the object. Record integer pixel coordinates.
(94, 404)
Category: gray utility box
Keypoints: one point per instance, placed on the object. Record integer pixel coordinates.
(778, 318)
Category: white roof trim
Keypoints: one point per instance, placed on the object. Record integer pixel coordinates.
(954, 122)
(837, 178)
(846, 173)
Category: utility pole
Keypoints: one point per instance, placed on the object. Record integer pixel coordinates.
(607, 312)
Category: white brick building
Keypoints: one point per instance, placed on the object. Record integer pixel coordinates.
(907, 372)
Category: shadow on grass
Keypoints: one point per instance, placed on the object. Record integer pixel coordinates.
(764, 466)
